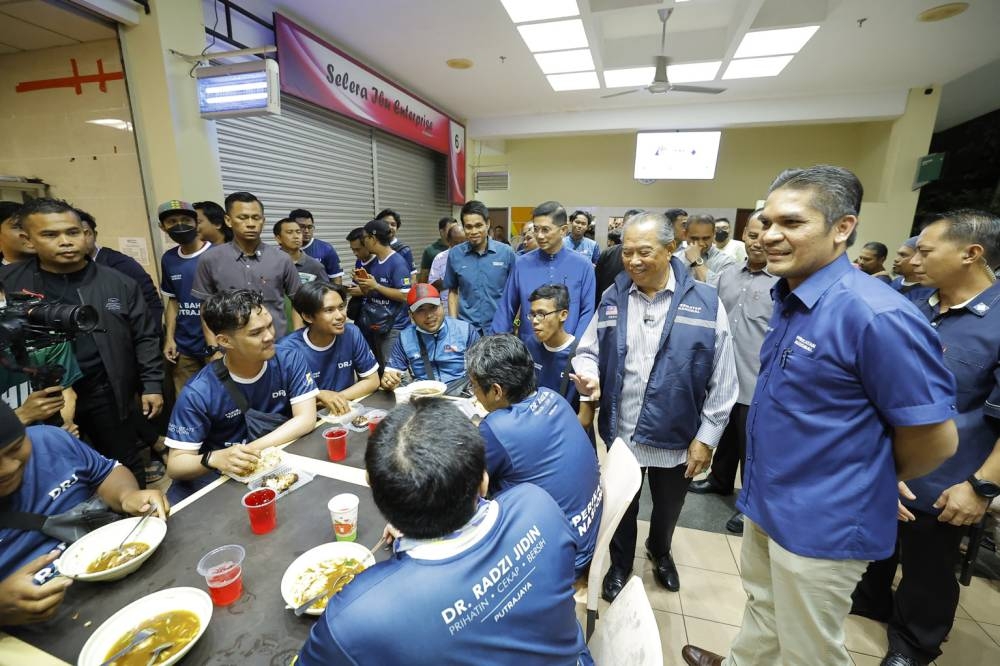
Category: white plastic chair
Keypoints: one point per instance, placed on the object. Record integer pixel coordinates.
(628, 635)
(620, 481)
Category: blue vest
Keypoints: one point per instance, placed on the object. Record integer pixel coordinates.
(445, 350)
(678, 383)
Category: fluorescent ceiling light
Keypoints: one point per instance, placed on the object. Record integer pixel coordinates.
(522, 11)
(752, 68)
(628, 78)
(554, 36)
(558, 62)
(693, 71)
(774, 42)
(576, 81)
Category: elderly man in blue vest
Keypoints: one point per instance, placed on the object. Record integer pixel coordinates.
(659, 357)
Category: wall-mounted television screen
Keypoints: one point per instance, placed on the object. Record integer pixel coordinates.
(676, 155)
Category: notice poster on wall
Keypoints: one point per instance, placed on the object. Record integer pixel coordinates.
(134, 247)
(318, 72)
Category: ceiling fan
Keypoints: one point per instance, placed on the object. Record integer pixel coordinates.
(661, 84)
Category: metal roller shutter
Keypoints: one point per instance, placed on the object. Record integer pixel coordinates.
(304, 158)
(412, 180)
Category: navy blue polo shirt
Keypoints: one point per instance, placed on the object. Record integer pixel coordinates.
(820, 476)
(333, 367)
(480, 280)
(970, 338)
(326, 255)
(178, 271)
(915, 292)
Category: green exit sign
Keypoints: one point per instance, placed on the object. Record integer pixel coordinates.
(928, 169)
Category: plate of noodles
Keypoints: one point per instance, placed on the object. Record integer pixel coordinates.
(325, 568)
(94, 557)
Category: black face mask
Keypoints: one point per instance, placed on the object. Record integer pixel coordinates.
(721, 235)
(182, 234)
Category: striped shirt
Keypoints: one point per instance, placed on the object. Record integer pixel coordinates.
(646, 318)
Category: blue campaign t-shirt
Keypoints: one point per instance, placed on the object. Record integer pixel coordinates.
(585, 246)
(539, 440)
(378, 310)
(504, 596)
(333, 367)
(205, 418)
(61, 472)
(551, 366)
(326, 255)
(445, 350)
(178, 271)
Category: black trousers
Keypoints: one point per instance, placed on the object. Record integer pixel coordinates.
(109, 434)
(922, 610)
(732, 450)
(668, 488)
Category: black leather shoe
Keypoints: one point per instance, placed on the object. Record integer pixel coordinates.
(735, 523)
(614, 581)
(664, 570)
(899, 659)
(708, 486)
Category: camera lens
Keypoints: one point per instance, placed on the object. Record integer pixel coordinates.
(66, 318)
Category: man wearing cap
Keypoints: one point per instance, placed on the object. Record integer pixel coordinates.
(384, 283)
(184, 343)
(33, 462)
(316, 248)
(433, 347)
(905, 282)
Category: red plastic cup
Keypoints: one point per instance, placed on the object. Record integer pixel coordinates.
(223, 572)
(336, 443)
(373, 423)
(262, 507)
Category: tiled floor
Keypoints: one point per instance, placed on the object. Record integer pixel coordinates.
(709, 607)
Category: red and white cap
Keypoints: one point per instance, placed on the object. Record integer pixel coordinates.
(422, 294)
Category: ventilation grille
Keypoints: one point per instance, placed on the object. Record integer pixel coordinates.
(492, 180)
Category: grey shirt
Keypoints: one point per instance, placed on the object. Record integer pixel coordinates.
(310, 269)
(747, 297)
(715, 261)
(268, 270)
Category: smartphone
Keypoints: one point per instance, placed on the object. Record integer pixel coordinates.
(361, 273)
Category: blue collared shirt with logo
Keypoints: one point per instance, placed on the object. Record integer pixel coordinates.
(480, 280)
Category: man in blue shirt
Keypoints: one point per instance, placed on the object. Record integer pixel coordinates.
(384, 282)
(830, 429)
(954, 255)
(532, 436)
(434, 346)
(552, 347)
(579, 222)
(184, 344)
(45, 470)
(551, 263)
(477, 270)
(316, 248)
(905, 282)
(208, 430)
(334, 350)
(471, 581)
(394, 222)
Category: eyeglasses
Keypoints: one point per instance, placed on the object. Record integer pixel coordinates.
(539, 316)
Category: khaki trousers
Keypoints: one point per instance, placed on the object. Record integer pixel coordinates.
(185, 368)
(796, 606)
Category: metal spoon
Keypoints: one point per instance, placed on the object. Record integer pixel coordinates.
(152, 510)
(138, 638)
(301, 609)
(154, 656)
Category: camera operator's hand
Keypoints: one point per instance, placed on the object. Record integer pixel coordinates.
(40, 405)
(152, 404)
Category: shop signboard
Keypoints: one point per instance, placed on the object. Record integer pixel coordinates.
(318, 72)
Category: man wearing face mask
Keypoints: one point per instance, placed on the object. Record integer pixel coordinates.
(724, 241)
(184, 344)
(433, 346)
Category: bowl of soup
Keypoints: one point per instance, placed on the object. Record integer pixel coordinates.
(425, 388)
(96, 557)
(177, 616)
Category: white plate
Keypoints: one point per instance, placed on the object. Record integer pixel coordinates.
(335, 550)
(403, 393)
(75, 560)
(356, 409)
(176, 598)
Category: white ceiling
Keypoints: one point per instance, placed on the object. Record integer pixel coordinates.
(844, 73)
(28, 25)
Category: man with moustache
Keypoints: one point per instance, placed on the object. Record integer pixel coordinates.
(830, 429)
(705, 262)
(905, 282)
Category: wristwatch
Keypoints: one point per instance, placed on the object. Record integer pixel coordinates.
(204, 460)
(986, 489)
(698, 262)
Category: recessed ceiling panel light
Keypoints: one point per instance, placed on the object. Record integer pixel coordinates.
(752, 68)
(459, 63)
(628, 78)
(693, 71)
(774, 42)
(554, 35)
(522, 11)
(942, 12)
(576, 81)
(558, 62)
